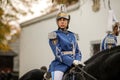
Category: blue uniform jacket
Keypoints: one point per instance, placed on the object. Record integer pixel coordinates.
(109, 39)
(64, 41)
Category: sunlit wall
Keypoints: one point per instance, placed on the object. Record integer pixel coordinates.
(34, 49)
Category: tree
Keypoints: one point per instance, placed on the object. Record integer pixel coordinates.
(9, 12)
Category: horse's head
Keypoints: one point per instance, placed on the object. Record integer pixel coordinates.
(74, 73)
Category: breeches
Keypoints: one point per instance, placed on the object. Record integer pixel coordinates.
(57, 75)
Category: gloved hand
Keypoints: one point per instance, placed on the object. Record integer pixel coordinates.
(77, 62)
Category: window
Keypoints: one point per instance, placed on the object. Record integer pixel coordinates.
(95, 46)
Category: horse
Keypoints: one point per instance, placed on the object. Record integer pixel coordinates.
(105, 65)
(34, 74)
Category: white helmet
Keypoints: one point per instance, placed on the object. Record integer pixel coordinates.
(111, 21)
(62, 12)
(63, 15)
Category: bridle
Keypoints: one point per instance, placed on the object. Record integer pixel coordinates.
(81, 73)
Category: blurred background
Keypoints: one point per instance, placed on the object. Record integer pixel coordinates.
(25, 24)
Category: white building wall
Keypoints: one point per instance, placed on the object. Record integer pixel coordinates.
(34, 48)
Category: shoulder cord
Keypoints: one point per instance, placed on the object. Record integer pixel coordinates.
(74, 44)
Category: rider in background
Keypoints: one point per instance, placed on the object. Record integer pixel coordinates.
(110, 40)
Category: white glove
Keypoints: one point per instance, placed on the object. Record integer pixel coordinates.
(77, 62)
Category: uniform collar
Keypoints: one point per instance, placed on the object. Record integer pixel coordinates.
(64, 31)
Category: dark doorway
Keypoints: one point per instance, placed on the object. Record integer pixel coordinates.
(95, 46)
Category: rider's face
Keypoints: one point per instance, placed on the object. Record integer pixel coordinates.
(116, 30)
(62, 23)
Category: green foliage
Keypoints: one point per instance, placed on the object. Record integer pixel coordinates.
(67, 2)
(9, 12)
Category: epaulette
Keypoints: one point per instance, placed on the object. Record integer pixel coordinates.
(52, 35)
(77, 36)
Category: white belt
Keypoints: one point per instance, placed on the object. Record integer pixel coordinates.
(67, 52)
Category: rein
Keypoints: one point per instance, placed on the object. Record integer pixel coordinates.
(86, 73)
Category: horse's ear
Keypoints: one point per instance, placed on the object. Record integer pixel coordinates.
(47, 75)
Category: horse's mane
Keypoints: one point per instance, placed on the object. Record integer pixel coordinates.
(103, 53)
